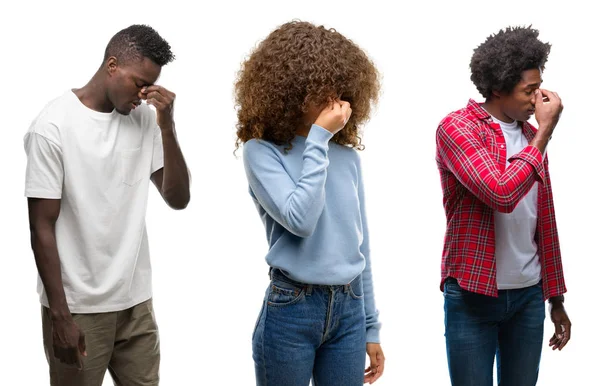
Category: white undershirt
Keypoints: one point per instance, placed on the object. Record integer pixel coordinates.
(517, 260)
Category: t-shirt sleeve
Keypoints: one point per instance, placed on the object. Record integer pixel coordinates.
(157, 153)
(44, 173)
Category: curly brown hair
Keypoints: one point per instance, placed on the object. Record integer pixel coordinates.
(297, 66)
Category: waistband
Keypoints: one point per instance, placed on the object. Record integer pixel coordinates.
(277, 274)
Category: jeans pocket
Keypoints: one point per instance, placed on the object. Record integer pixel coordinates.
(260, 314)
(355, 288)
(131, 171)
(453, 290)
(282, 293)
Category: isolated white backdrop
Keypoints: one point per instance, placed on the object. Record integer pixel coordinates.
(209, 269)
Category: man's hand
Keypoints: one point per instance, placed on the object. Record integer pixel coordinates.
(163, 100)
(68, 342)
(548, 108)
(562, 326)
(375, 369)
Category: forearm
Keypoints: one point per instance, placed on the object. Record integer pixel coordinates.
(43, 243)
(541, 139)
(477, 170)
(296, 205)
(176, 179)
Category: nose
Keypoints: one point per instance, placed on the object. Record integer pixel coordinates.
(533, 95)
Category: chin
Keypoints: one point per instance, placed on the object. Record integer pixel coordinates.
(123, 111)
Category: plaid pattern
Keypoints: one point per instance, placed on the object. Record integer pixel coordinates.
(471, 158)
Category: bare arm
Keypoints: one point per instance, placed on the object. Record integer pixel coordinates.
(43, 214)
(68, 339)
(173, 179)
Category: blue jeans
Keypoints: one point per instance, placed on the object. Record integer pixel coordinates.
(479, 328)
(310, 331)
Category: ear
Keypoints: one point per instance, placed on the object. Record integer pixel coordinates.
(111, 65)
(497, 94)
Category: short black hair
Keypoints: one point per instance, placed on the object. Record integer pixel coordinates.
(137, 41)
(497, 64)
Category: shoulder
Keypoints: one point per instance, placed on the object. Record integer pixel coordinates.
(48, 122)
(459, 119)
(259, 146)
(257, 151)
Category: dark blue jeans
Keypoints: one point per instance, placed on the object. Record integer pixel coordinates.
(479, 328)
(310, 331)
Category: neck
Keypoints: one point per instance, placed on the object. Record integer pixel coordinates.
(495, 110)
(93, 95)
(303, 131)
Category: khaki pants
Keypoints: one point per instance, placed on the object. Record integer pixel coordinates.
(125, 343)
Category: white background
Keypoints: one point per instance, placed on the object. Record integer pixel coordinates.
(209, 268)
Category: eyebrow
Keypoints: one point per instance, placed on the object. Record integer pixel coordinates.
(534, 84)
(143, 80)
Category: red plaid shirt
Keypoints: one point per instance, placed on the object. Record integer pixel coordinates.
(471, 158)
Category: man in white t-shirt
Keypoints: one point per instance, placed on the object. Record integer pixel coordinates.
(90, 156)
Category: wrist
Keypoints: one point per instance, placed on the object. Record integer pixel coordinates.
(557, 301)
(60, 314)
(544, 132)
(167, 127)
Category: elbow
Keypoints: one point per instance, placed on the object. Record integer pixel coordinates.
(302, 229)
(177, 200)
(505, 207)
(33, 235)
(179, 204)
(505, 203)
(302, 232)
(40, 235)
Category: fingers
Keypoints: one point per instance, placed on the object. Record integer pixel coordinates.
(79, 360)
(346, 111)
(380, 366)
(558, 330)
(157, 96)
(82, 344)
(68, 356)
(551, 96)
(375, 370)
(539, 99)
(557, 338)
(566, 335)
(561, 336)
(554, 342)
(156, 99)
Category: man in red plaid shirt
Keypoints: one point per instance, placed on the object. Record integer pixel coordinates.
(501, 257)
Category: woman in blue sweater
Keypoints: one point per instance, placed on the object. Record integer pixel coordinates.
(301, 97)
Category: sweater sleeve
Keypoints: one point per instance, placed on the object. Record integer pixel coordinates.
(296, 205)
(371, 311)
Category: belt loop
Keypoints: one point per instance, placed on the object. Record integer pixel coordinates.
(346, 288)
(309, 289)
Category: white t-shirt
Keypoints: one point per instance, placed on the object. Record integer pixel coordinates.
(99, 166)
(517, 260)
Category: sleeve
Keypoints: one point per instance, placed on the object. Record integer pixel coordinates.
(371, 312)
(44, 173)
(297, 206)
(549, 245)
(158, 160)
(471, 162)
